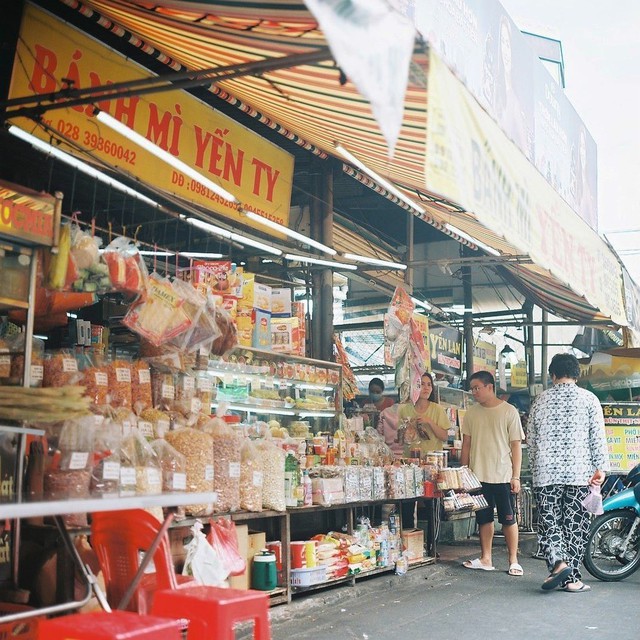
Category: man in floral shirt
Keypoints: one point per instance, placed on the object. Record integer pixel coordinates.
(567, 453)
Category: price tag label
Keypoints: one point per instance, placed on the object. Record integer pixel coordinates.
(111, 470)
(144, 376)
(123, 375)
(101, 379)
(145, 428)
(153, 477)
(257, 478)
(234, 469)
(208, 473)
(69, 365)
(128, 476)
(168, 391)
(179, 481)
(78, 460)
(37, 373)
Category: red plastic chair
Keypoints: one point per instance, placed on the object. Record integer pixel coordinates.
(118, 537)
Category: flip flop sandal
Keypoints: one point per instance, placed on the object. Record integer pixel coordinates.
(584, 587)
(515, 569)
(476, 564)
(555, 579)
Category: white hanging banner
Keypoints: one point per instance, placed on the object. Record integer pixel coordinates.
(373, 44)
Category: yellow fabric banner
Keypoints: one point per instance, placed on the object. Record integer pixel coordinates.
(519, 375)
(258, 173)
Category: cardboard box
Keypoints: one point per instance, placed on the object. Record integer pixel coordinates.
(241, 581)
(413, 542)
(281, 302)
(284, 335)
(255, 543)
(255, 294)
(262, 330)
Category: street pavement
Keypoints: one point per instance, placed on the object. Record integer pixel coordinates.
(445, 601)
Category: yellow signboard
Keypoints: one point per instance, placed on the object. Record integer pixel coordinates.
(622, 427)
(484, 357)
(519, 379)
(258, 173)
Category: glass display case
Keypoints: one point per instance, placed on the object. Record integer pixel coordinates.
(266, 386)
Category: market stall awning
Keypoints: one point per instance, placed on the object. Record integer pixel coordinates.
(316, 106)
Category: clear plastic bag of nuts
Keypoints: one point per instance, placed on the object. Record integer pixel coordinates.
(197, 448)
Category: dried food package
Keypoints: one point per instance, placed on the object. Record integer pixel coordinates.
(227, 445)
(228, 337)
(141, 395)
(409, 481)
(173, 466)
(379, 489)
(204, 391)
(395, 482)
(273, 490)
(351, 484)
(95, 379)
(160, 317)
(138, 454)
(251, 477)
(68, 476)
(119, 374)
(163, 389)
(127, 270)
(154, 423)
(60, 368)
(366, 483)
(16, 345)
(105, 472)
(197, 448)
(86, 271)
(186, 400)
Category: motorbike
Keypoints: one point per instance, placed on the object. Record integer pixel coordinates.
(613, 546)
(615, 483)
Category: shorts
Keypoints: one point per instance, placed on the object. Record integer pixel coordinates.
(498, 496)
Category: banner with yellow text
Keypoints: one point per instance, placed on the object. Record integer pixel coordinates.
(470, 161)
(484, 357)
(258, 173)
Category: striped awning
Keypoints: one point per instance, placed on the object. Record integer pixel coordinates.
(313, 105)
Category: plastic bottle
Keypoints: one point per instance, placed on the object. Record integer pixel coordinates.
(306, 487)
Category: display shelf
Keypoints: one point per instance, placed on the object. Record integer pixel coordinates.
(34, 509)
(24, 430)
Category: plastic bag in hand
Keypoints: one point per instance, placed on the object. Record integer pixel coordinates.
(593, 502)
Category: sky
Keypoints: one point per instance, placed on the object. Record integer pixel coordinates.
(601, 50)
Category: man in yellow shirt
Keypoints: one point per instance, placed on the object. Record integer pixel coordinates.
(491, 446)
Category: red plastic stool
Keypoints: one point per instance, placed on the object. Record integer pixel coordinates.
(118, 625)
(213, 612)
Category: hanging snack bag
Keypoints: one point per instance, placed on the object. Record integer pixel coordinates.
(197, 447)
(127, 270)
(86, 272)
(160, 317)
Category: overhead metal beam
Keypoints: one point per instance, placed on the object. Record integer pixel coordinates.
(71, 97)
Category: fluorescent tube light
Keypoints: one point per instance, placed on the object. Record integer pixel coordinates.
(466, 236)
(78, 164)
(158, 254)
(257, 244)
(163, 155)
(230, 235)
(383, 182)
(375, 261)
(289, 232)
(458, 308)
(201, 254)
(421, 303)
(326, 263)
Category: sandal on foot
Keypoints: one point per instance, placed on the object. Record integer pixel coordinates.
(580, 589)
(555, 579)
(515, 569)
(476, 564)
